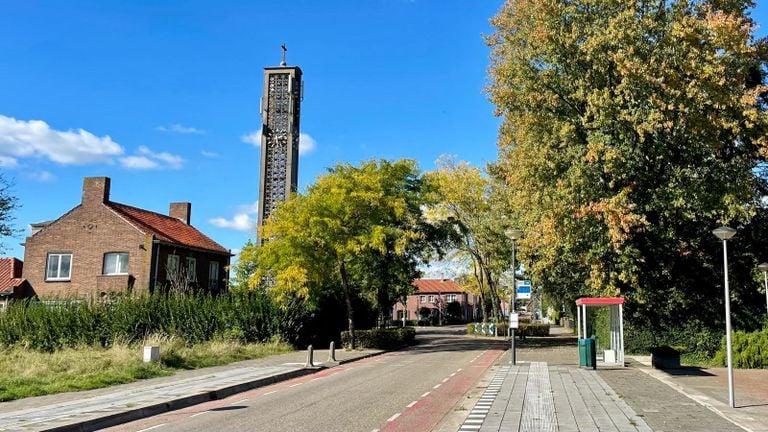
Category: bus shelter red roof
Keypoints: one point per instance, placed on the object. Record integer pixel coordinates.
(599, 301)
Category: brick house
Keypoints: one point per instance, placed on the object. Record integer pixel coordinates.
(102, 246)
(12, 285)
(434, 294)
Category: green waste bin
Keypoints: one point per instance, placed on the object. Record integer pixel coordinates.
(587, 353)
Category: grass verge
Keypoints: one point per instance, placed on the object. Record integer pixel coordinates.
(27, 373)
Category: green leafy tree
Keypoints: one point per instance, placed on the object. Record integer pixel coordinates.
(8, 203)
(469, 201)
(355, 229)
(630, 130)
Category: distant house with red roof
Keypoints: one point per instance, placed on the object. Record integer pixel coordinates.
(435, 295)
(101, 247)
(12, 285)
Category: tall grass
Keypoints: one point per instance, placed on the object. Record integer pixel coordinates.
(33, 373)
(190, 318)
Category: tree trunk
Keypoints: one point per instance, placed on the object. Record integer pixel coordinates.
(479, 289)
(348, 300)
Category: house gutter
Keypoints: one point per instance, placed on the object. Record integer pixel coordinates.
(156, 247)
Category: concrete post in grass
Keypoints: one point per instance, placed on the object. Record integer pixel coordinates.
(151, 353)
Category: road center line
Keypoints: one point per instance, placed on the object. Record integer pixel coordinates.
(437, 386)
(425, 394)
(445, 379)
(269, 393)
(391, 419)
(153, 427)
(198, 414)
(295, 385)
(239, 401)
(410, 405)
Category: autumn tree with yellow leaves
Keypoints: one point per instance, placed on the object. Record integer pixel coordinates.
(631, 129)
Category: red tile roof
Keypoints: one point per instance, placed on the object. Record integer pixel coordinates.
(10, 274)
(167, 229)
(437, 286)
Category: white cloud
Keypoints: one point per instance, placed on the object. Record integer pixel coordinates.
(243, 220)
(307, 144)
(41, 176)
(34, 138)
(8, 162)
(147, 159)
(209, 154)
(180, 129)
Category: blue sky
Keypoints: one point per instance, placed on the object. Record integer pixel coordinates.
(161, 96)
(165, 92)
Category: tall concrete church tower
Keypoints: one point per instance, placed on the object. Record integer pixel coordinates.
(280, 114)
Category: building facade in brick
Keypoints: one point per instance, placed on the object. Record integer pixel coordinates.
(435, 295)
(101, 247)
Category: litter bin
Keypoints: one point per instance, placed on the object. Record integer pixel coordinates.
(587, 353)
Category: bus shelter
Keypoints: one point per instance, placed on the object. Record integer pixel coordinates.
(615, 351)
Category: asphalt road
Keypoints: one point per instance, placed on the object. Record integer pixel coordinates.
(409, 390)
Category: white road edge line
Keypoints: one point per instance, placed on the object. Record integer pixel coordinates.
(269, 393)
(195, 415)
(391, 419)
(410, 405)
(295, 385)
(425, 394)
(445, 379)
(153, 427)
(239, 401)
(437, 386)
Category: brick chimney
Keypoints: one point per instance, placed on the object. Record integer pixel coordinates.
(95, 191)
(181, 211)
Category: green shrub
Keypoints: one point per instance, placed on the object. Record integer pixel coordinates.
(535, 329)
(389, 338)
(750, 350)
(191, 318)
(555, 316)
(697, 344)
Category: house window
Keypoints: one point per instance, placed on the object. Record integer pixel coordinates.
(422, 299)
(115, 263)
(213, 275)
(59, 267)
(431, 299)
(191, 269)
(449, 298)
(172, 266)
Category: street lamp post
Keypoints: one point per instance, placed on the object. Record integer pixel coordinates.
(764, 268)
(725, 233)
(514, 235)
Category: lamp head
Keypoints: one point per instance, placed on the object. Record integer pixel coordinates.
(724, 232)
(514, 233)
(763, 267)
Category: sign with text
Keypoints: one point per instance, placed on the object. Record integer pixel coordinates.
(514, 320)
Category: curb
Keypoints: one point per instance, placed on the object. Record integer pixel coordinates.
(187, 401)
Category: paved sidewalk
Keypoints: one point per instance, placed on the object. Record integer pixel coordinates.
(95, 409)
(547, 391)
(532, 397)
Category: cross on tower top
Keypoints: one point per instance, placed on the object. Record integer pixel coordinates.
(285, 49)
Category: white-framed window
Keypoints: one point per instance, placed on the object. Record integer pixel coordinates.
(59, 267)
(431, 299)
(172, 266)
(449, 298)
(213, 275)
(422, 299)
(191, 269)
(115, 263)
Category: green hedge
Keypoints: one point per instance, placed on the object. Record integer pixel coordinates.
(695, 342)
(388, 338)
(750, 350)
(190, 318)
(526, 328)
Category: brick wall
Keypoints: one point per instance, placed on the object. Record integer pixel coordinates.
(87, 232)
